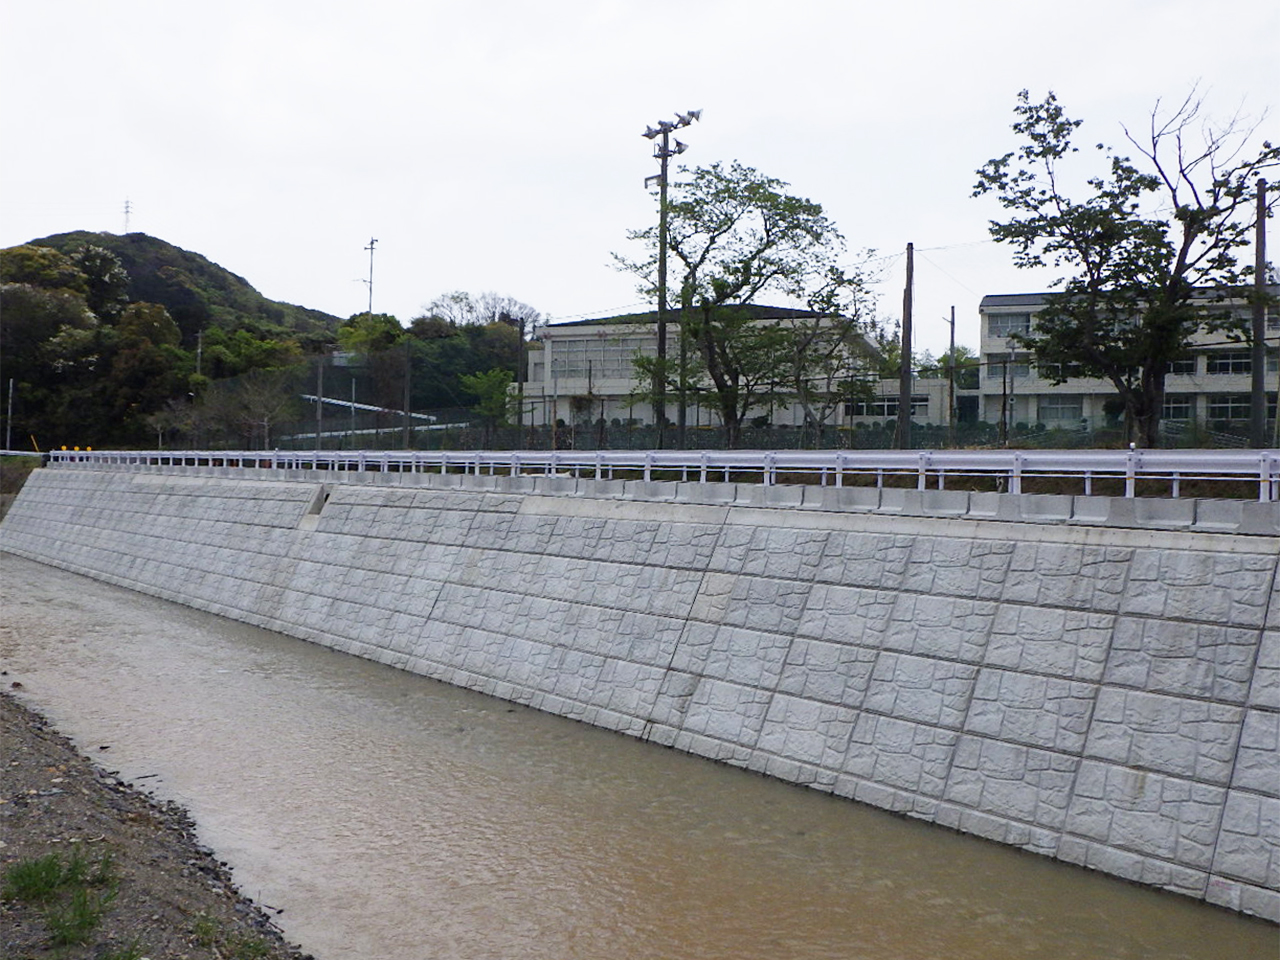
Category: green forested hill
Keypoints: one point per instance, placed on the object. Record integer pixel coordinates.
(197, 292)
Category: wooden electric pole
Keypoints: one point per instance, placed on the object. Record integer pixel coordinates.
(1258, 393)
(903, 433)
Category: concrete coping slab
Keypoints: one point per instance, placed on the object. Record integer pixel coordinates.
(1218, 515)
(712, 493)
(1045, 506)
(602, 489)
(1165, 514)
(651, 489)
(555, 485)
(750, 495)
(1260, 519)
(933, 503)
(521, 483)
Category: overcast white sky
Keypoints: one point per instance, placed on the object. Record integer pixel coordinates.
(497, 145)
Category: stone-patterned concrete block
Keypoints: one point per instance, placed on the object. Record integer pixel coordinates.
(1037, 711)
(1065, 643)
(942, 627)
(919, 689)
(760, 603)
(950, 567)
(852, 615)
(1249, 843)
(1010, 781)
(1258, 760)
(872, 560)
(1146, 813)
(1219, 588)
(1187, 659)
(901, 755)
(684, 546)
(782, 552)
(834, 673)
(1264, 689)
(1193, 739)
(814, 734)
(727, 712)
(1076, 576)
(750, 657)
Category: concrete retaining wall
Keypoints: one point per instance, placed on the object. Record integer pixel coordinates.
(1108, 697)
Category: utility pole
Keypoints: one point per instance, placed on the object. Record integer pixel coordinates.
(1258, 393)
(320, 401)
(372, 241)
(408, 367)
(903, 437)
(951, 385)
(662, 152)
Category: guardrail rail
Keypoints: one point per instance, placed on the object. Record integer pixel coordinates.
(929, 469)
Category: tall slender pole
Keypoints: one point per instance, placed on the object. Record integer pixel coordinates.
(904, 371)
(1258, 393)
(951, 386)
(408, 367)
(660, 381)
(372, 241)
(664, 152)
(320, 401)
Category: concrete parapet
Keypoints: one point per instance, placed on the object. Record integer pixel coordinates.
(1091, 679)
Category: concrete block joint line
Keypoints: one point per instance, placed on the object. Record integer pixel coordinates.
(1096, 685)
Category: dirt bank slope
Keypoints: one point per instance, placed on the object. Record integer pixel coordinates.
(172, 898)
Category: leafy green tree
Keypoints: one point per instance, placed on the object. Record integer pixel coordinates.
(738, 235)
(42, 267)
(369, 333)
(107, 282)
(1139, 251)
(151, 322)
(964, 360)
(493, 399)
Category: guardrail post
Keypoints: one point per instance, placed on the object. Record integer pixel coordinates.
(1015, 477)
(648, 467)
(1130, 474)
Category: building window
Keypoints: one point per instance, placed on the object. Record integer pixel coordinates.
(1061, 407)
(886, 407)
(1229, 362)
(1018, 370)
(1233, 406)
(1184, 367)
(1058, 372)
(598, 358)
(1179, 406)
(1006, 324)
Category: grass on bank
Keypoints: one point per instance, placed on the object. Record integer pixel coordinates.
(75, 892)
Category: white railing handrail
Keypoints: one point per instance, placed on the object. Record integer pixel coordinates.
(930, 468)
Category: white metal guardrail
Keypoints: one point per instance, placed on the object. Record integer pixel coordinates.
(930, 469)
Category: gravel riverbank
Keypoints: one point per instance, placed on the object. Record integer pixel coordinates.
(161, 894)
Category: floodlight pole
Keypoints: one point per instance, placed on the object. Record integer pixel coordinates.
(663, 152)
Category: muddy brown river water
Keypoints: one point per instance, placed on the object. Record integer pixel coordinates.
(394, 817)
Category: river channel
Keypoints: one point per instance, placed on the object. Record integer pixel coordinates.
(393, 816)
